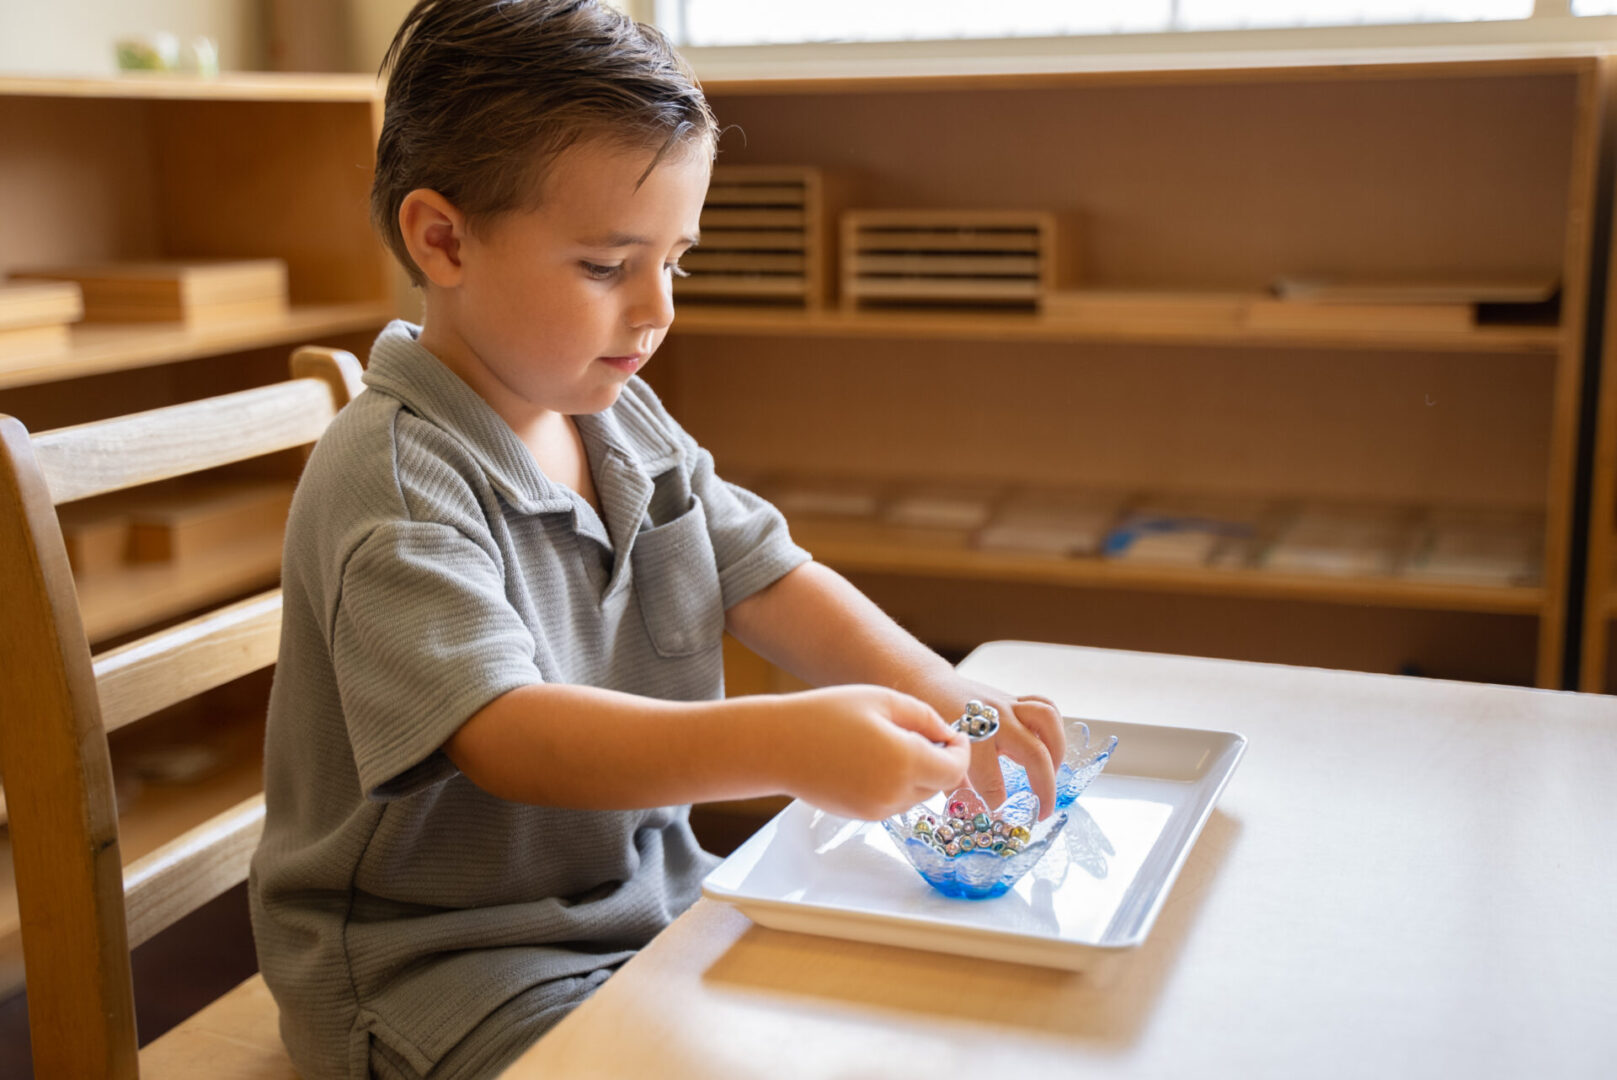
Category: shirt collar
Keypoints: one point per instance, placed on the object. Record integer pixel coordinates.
(625, 443)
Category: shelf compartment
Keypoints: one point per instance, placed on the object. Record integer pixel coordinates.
(159, 813)
(116, 601)
(880, 549)
(1025, 326)
(103, 347)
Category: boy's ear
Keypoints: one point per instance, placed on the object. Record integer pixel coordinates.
(433, 230)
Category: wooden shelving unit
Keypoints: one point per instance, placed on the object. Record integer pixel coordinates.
(1200, 181)
(732, 321)
(161, 167)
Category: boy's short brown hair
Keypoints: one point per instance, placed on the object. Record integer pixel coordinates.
(482, 95)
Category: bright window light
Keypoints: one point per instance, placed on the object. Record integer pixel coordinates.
(748, 22)
(1594, 7)
(1226, 14)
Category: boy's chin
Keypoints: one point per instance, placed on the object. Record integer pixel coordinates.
(599, 399)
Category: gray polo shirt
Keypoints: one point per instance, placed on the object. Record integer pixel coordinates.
(431, 567)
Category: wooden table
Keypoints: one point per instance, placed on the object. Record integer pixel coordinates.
(1405, 877)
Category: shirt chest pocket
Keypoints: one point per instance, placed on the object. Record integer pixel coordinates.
(677, 581)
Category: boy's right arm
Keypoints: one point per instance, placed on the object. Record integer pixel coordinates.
(860, 751)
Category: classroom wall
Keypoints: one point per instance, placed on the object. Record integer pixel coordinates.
(75, 37)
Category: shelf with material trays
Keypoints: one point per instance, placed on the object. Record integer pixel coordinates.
(874, 548)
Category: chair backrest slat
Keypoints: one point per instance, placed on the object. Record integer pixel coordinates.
(193, 868)
(141, 448)
(165, 668)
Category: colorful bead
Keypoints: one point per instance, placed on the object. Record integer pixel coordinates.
(945, 833)
(981, 822)
(957, 808)
(951, 849)
(1021, 834)
(923, 828)
(967, 843)
(1001, 829)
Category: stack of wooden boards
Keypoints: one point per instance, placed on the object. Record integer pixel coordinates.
(39, 304)
(173, 522)
(34, 319)
(1443, 544)
(763, 237)
(173, 290)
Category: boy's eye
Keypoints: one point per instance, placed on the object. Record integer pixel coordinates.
(675, 269)
(600, 272)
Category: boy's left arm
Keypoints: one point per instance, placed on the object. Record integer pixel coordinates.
(813, 623)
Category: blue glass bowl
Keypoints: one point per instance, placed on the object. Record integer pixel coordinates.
(983, 874)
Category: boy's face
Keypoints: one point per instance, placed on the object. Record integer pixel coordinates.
(559, 306)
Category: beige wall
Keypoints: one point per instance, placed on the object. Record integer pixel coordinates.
(75, 37)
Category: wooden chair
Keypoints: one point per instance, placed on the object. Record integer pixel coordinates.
(82, 910)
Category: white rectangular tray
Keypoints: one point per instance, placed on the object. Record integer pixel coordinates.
(1096, 892)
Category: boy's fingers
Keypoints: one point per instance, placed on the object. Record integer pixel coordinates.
(1040, 716)
(939, 767)
(913, 714)
(985, 773)
(1023, 747)
(943, 767)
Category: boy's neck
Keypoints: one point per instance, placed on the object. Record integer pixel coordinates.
(452, 352)
(550, 436)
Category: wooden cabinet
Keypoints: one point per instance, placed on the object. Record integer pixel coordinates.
(250, 166)
(1187, 182)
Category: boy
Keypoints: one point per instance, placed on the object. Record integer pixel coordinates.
(507, 575)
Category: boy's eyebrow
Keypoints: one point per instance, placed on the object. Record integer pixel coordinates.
(617, 240)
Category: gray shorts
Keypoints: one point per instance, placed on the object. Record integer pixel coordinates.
(501, 1038)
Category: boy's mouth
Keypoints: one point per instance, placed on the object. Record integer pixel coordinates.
(630, 363)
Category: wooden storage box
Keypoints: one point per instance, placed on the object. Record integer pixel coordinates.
(765, 237)
(96, 533)
(196, 290)
(34, 318)
(205, 516)
(950, 257)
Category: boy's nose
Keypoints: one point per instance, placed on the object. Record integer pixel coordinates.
(653, 305)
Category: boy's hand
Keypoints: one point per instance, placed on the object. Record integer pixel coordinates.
(1030, 733)
(868, 752)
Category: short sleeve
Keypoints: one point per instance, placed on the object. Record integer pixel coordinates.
(751, 543)
(423, 637)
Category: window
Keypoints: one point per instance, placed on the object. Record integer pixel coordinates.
(747, 22)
